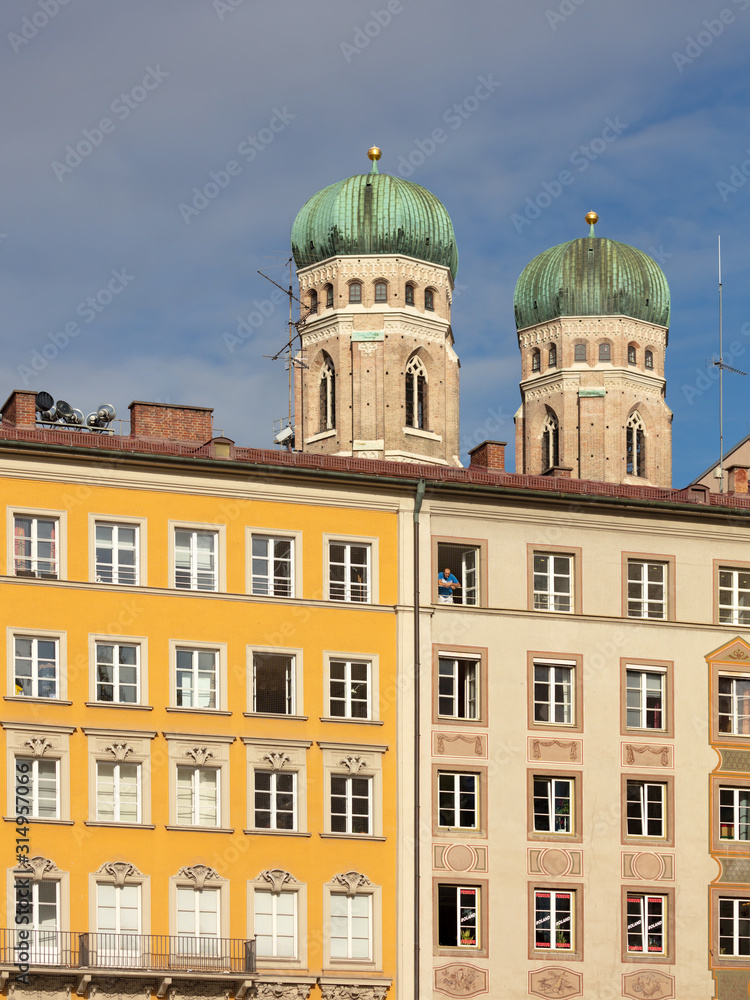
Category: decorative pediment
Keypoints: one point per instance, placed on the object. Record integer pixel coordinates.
(38, 745)
(277, 878)
(199, 754)
(736, 650)
(200, 874)
(353, 763)
(351, 881)
(37, 867)
(119, 750)
(277, 760)
(120, 871)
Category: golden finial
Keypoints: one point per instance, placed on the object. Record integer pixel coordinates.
(592, 218)
(374, 152)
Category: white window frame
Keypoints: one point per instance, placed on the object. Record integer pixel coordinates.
(215, 883)
(456, 793)
(642, 692)
(116, 788)
(198, 752)
(60, 640)
(734, 715)
(641, 581)
(32, 771)
(116, 643)
(110, 746)
(349, 797)
(374, 564)
(220, 557)
(286, 883)
(553, 682)
(289, 671)
(733, 612)
(348, 957)
(286, 756)
(476, 945)
(735, 919)
(198, 897)
(347, 701)
(356, 761)
(27, 740)
(644, 898)
(365, 888)
(350, 596)
(63, 894)
(455, 682)
(195, 773)
(118, 572)
(549, 598)
(736, 808)
(273, 794)
(297, 677)
(219, 649)
(295, 540)
(550, 797)
(192, 572)
(141, 545)
(118, 946)
(644, 802)
(39, 513)
(275, 898)
(553, 931)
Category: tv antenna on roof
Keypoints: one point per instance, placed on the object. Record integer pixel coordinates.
(722, 368)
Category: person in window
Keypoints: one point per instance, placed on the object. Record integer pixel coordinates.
(447, 583)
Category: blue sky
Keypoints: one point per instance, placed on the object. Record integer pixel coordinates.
(185, 85)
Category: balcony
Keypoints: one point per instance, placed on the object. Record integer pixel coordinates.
(144, 953)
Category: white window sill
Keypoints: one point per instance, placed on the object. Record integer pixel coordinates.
(352, 836)
(116, 823)
(277, 833)
(119, 704)
(199, 711)
(428, 435)
(36, 701)
(358, 722)
(201, 829)
(274, 715)
(321, 437)
(40, 819)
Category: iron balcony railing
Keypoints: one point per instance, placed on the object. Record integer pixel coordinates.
(149, 952)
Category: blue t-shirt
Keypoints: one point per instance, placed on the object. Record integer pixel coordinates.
(444, 591)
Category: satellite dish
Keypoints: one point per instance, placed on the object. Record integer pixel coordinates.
(64, 410)
(106, 413)
(44, 401)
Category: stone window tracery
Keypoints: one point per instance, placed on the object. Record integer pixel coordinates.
(328, 393)
(550, 442)
(635, 445)
(416, 394)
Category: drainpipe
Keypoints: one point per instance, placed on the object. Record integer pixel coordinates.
(419, 496)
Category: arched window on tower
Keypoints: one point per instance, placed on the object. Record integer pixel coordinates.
(635, 445)
(536, 360)
(580, 352)
(409, 298)
(327, 395)
(649, 359)
(329, 296)
(550, 442)
(605, 352)
(553, 356)
(429, 299)
(313, 302)
(632, 355)
(381, 291)
(416, 394)
(355, 292)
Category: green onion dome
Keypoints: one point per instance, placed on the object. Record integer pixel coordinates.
(592, 276)
(374, 214)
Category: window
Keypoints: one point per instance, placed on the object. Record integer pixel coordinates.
(647, 589)
(35, 667)
(632, 356)
(646, 809)
(552, 359)
(429, 300)
(351, 804)
(36, 546)
(329, 296)
(458, 800)
(646, 923)
(348, 571)
(118, 792)
(416, 394)
(734, 596)
(349, 689)
(649, 359)
(734, 814)
(197, 917)
(553, 920)
(327, 394)
(605, 352)
(273, 683)
(463, 562)
(117, 673)
(41, 778)
(734, 927)
(553, 582)
(409, 295)
(635, 445)
(198, 796)
(118, 911)
(458, 916)
(381, 291)
(275, 924)
(275, 800)
(579, 353)
(272, 566)
(458, 688)
(196, 678)
(550, 442)
(355, 293)
(554, 694)
(644, 696)
(553, 804)
(313, 302)
(116, 553)
(536, 360)
(351, 926)
(734, 705)
(44, 917)
(195, 560)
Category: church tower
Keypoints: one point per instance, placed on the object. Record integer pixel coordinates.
(376, 258)
(593, 318)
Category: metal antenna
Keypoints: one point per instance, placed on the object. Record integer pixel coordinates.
(722, 368)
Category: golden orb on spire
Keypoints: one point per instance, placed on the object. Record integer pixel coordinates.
(592, 218)
(374, 152)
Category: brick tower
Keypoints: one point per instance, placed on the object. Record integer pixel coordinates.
(593, 320)
(376, 258)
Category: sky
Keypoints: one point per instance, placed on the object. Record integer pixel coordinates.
(129, 249)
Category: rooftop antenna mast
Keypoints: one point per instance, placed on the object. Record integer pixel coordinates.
(722, 368)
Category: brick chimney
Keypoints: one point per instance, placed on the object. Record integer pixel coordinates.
(489, 455)
(20, 408)
(169, 422)
(737, 479)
